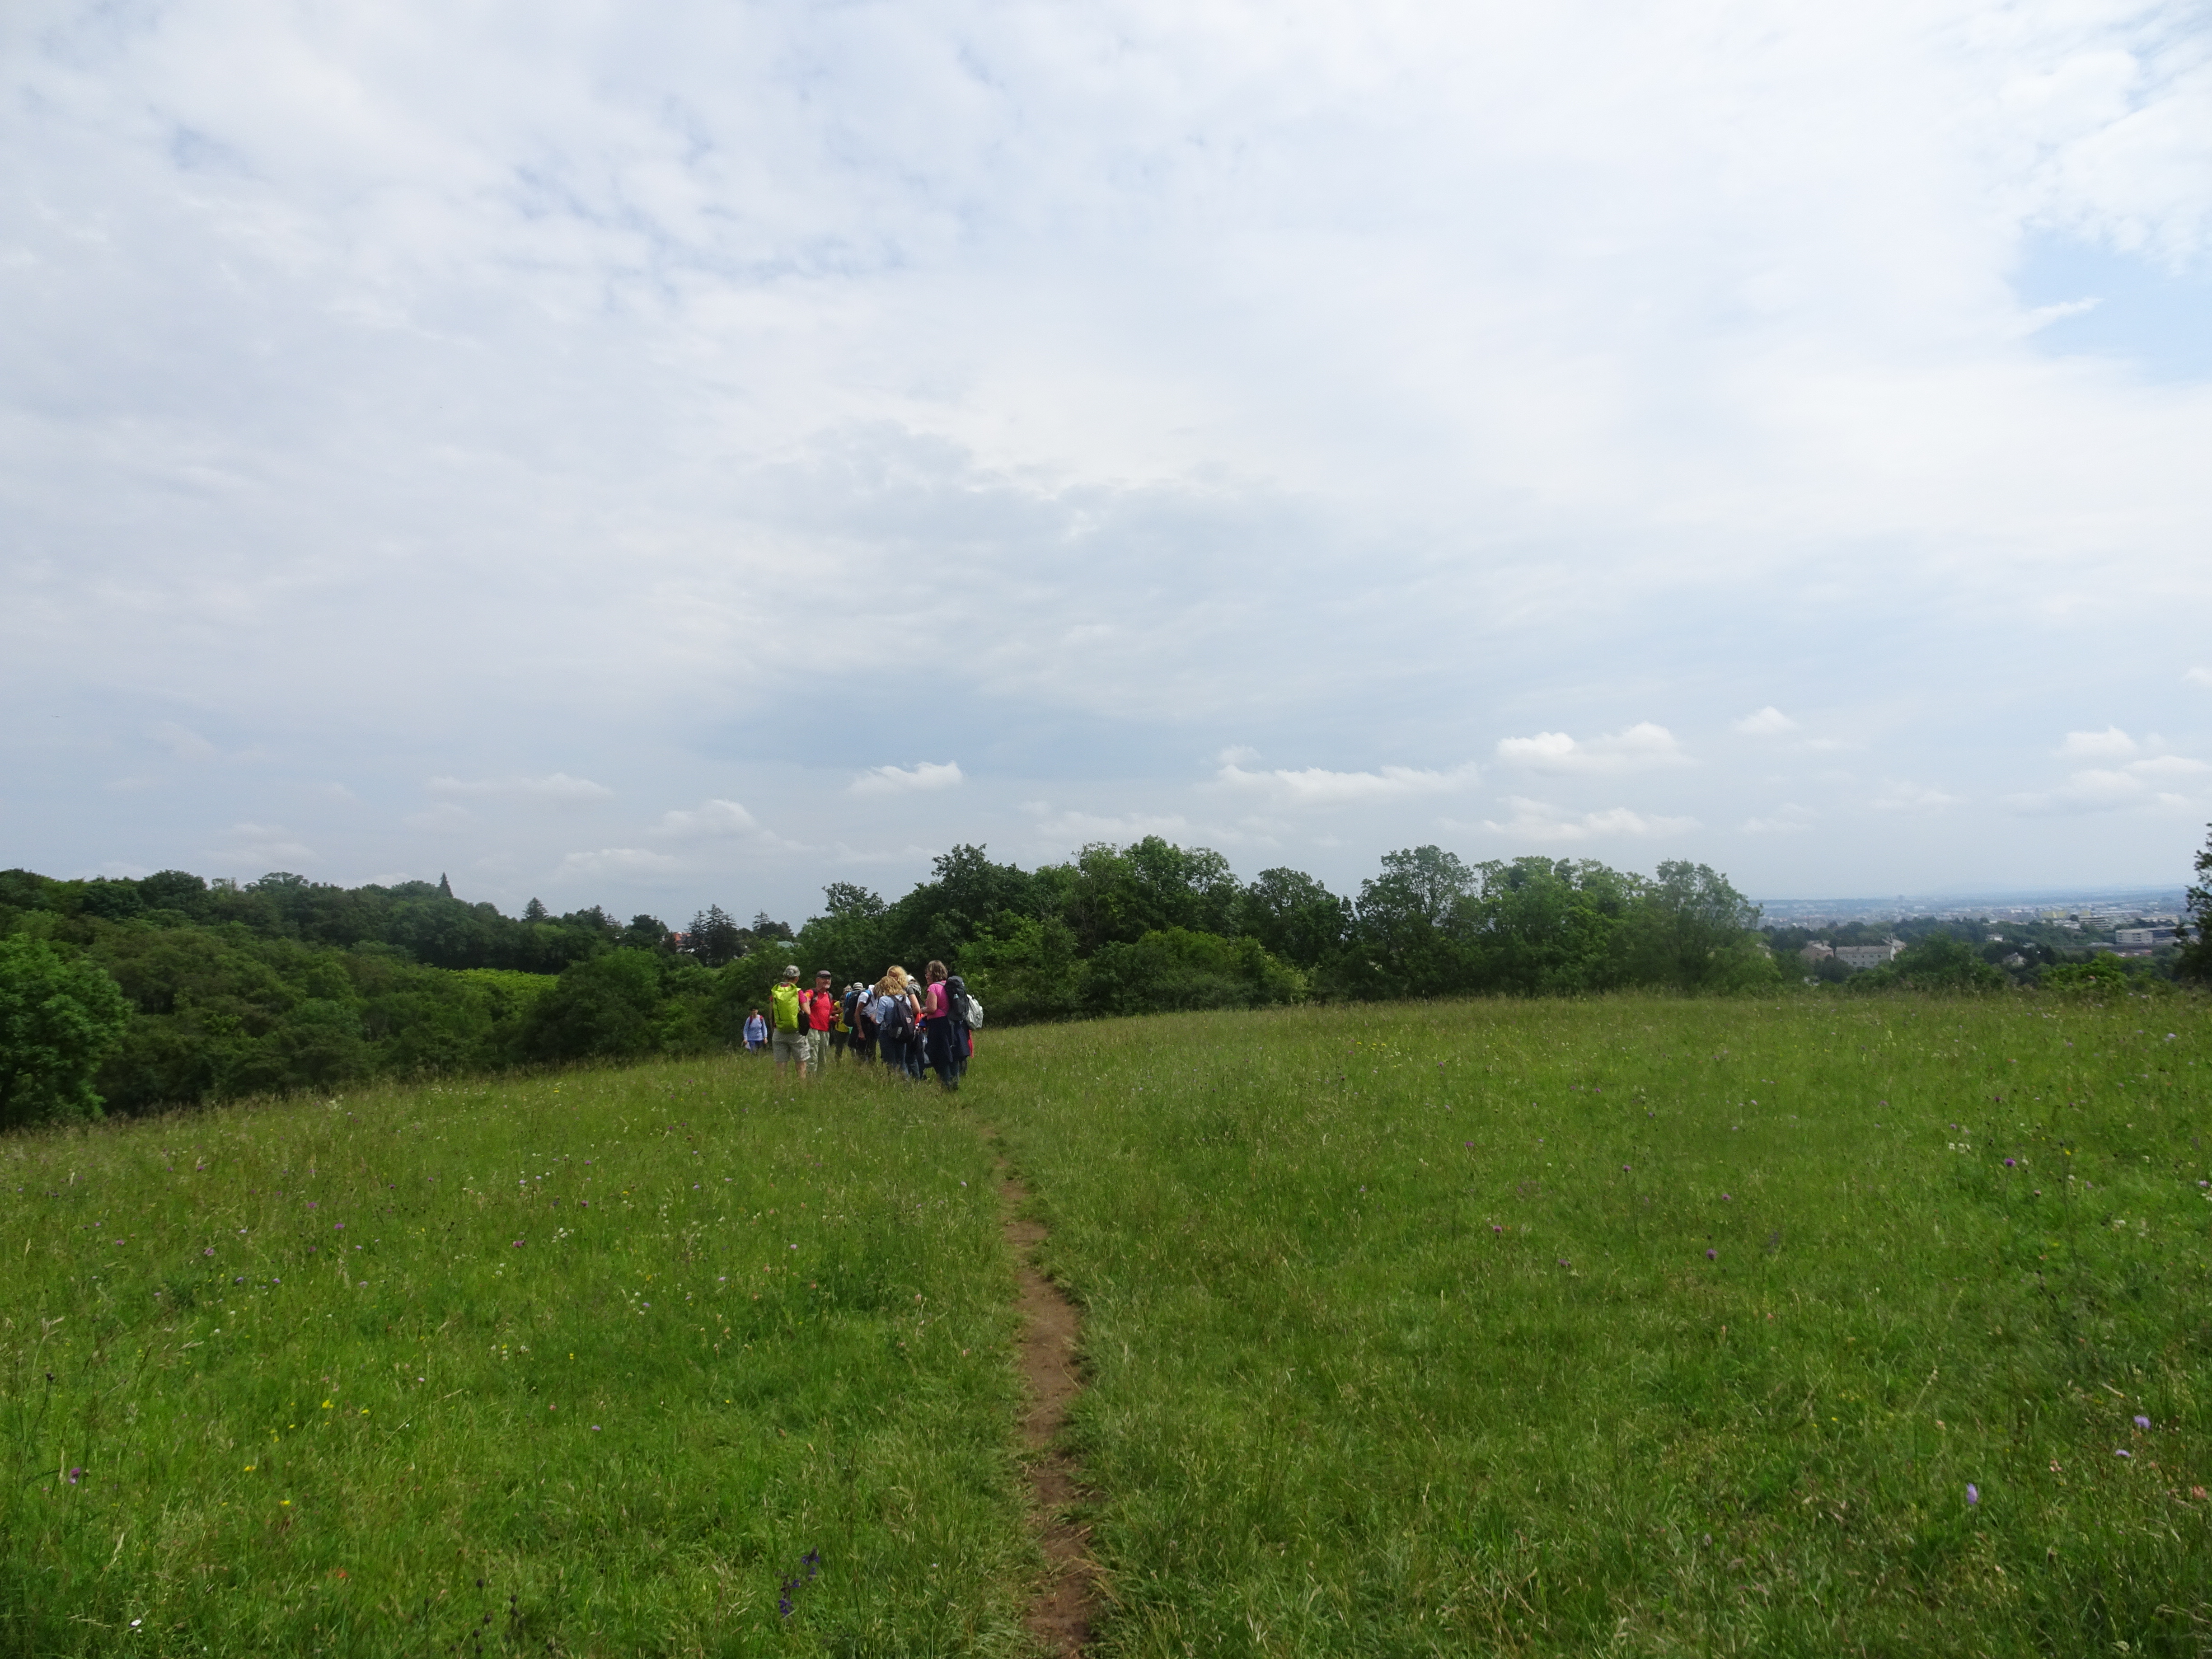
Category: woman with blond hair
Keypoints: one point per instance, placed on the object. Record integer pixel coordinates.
(892, 1009)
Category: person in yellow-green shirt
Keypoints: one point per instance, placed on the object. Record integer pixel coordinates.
(791, 1033)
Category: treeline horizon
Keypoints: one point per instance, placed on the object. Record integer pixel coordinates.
(286, 983)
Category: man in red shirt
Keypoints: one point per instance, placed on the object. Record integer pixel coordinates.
(819, 1007)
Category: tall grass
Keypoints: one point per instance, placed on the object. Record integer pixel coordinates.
(670, 1360)
(1637, 1326)
(1630, 1326)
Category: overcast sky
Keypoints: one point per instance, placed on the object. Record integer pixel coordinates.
(651, 452)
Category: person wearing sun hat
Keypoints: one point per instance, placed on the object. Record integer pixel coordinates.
(791, 1034)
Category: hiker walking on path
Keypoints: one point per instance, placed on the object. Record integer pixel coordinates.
(793, 1038)
(755, 1032)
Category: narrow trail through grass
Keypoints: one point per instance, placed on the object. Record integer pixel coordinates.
(1062, 1612)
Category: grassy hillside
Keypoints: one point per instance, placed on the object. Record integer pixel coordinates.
(1638, 1326)
(606, 1363)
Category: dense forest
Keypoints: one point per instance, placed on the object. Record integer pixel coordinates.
(209, 990)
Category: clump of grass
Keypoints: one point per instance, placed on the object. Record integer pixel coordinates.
(676, 1359)
(1640, 1325)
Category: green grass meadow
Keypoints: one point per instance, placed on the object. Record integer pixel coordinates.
(585, 1364)
(1630, 1326)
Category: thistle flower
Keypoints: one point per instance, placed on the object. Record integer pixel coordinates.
(1713, 1255)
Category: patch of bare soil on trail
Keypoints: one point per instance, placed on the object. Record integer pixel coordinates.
(1064, 1610)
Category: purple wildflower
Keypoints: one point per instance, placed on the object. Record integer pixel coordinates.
(2009, 1165)
(595, 1428)
(209, 1251)
(2143, 1422)
(338, 1227)
(76, 1475)
(1624, 1169)
(518, 1243)
(1973, 1494)
(812, 1561)
(1713, 1255)
(2122, 1451)
(1724, 1198)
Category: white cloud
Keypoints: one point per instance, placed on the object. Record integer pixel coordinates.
(1315, 786)
(2168, 766)
(617, 861)
(2094, 791)
(261, 844)
(1789, 819)
(2097, 745)
(1074, 829)
(2198, 677)
(713, 817)
(1643, 745)
(1897, 796)
(2110, 789)
(893, 780)
(1546, 824)
(445, 818)
(182, 742)
(1768, 722)
(556, 789)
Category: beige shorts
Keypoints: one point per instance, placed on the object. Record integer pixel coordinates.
(793, 1045)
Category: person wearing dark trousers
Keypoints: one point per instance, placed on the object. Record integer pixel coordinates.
(940, 1042)
(858, 998)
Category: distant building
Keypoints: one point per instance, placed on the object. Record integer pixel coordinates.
(1815, 951)
(1867, 955)
(2147, 938)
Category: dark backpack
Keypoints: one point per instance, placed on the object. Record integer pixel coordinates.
(899, 1028)
(959, 1005)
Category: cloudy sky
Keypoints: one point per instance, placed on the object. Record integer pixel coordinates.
(656, 451)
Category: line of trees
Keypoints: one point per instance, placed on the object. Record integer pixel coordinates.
(171, 990)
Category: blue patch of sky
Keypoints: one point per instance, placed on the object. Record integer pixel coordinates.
(2154, 316)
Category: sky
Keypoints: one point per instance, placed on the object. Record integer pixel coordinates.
(663, 452)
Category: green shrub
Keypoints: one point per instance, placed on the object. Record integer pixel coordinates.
(58, 1018)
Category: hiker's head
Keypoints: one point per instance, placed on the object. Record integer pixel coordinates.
(935, 971)
(792, 971)
(821, 979)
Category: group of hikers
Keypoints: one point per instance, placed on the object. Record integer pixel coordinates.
(917, 1027)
